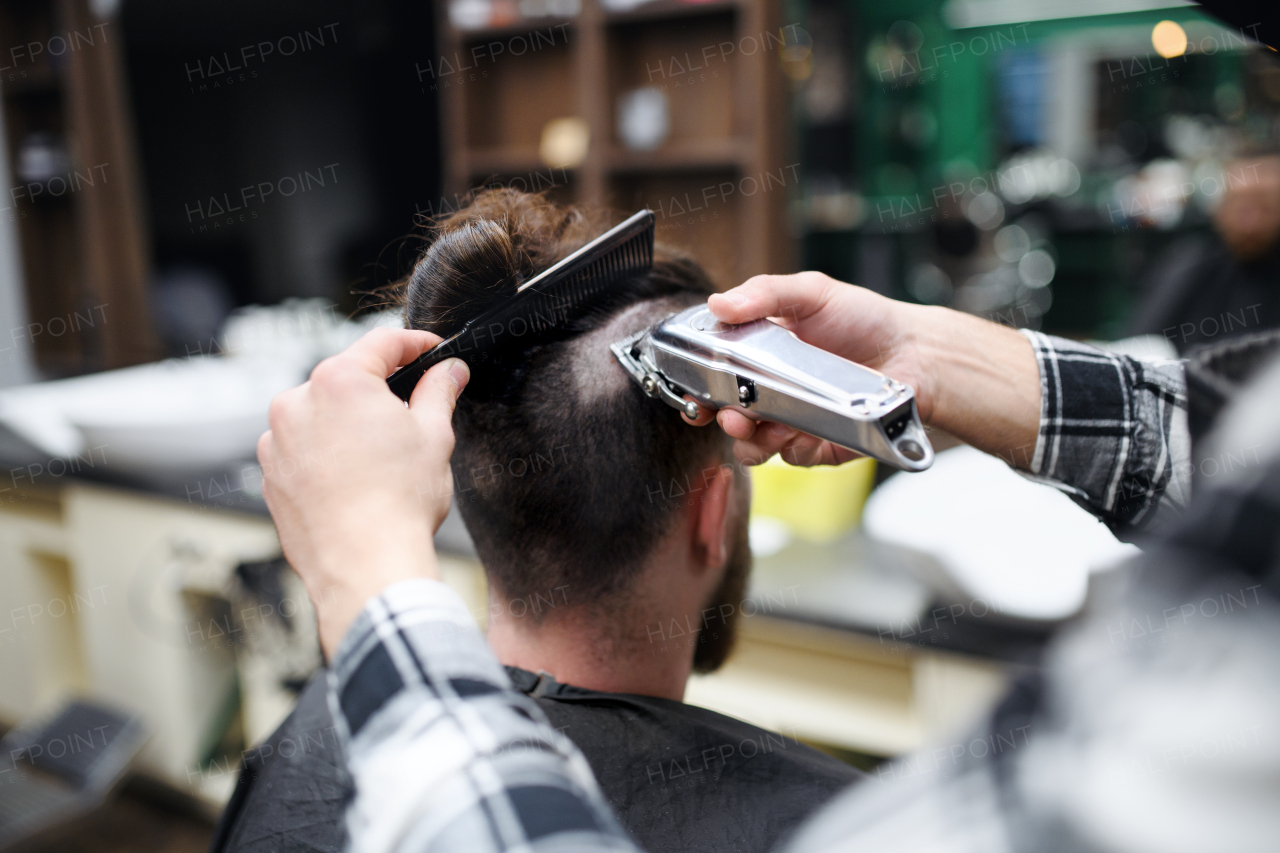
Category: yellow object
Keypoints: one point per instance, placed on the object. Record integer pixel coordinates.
(819, 503)
(1169, 39)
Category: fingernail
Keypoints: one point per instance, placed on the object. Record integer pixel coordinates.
(736, 299)
(460, 372)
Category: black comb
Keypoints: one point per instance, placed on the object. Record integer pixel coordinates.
(547, 301)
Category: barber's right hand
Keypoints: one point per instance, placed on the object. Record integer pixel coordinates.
(852, 322)
(972, 378)
(357, 482)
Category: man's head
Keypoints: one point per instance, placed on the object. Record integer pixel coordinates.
(1248, 216)
(568, 477)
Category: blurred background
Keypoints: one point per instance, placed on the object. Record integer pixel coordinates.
(204, 199)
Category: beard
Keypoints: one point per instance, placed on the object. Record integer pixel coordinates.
(720, 628)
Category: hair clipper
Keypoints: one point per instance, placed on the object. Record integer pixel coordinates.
(766, 372)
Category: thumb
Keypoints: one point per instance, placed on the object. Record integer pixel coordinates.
(755, 298)
(792, 297)
(733, 306)
(437, 394)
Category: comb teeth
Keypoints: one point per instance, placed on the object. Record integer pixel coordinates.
(554, 305)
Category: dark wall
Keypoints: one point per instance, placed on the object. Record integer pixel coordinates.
(285, 145)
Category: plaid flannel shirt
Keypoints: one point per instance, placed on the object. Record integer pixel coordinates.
(444, 753)
(446, 756)
(1113, 432)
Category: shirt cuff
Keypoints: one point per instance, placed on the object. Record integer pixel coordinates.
(1113, 432)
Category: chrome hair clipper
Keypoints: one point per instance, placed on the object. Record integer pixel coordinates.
(769, 374)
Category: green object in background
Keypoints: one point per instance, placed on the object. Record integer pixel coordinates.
(934, 104)
(951, 77)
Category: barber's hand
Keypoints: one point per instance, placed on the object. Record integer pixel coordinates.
(357, 483)
(972, 378)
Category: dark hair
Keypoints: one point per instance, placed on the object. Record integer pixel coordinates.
(566, 474)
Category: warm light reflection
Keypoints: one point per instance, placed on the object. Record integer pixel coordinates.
(564, 143)
(1169, 39)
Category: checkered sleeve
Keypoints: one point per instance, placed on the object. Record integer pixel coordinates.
(445, 755)
(1113, 432)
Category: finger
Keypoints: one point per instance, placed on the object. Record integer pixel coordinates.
(705, 415)
(807, 451)
(286, 411)
(267, 465)
(769, 438)
(436, 395)
(735, 424)
(795, 447)
(266, 450)
(749, 453)
(382, 350)
(793, 297)
(759, 451)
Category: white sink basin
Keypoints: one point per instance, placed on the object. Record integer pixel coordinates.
(174, 416)
(1017, 548)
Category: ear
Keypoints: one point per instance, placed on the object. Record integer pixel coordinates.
(712, 517)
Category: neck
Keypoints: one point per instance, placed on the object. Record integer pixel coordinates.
(624, 649)
(576, 650)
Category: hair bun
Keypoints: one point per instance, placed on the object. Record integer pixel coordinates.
(467, 270)
(482, 253)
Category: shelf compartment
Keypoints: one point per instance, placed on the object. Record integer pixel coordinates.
(519, 169)
(701, 154)
(510, 100)
(682, 58)
(504, 160)
(695, 211)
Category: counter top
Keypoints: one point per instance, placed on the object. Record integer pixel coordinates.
(890, 593)
(855, 583)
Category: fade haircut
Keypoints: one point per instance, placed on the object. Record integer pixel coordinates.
(563, 468)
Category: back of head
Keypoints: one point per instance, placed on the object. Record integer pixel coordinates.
(563, 468)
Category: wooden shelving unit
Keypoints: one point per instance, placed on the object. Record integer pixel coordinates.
(84, 249)
(726, 109)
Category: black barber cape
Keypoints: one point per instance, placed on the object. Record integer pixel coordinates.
(678, 777)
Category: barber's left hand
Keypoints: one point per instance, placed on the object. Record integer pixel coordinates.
(358, 483)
